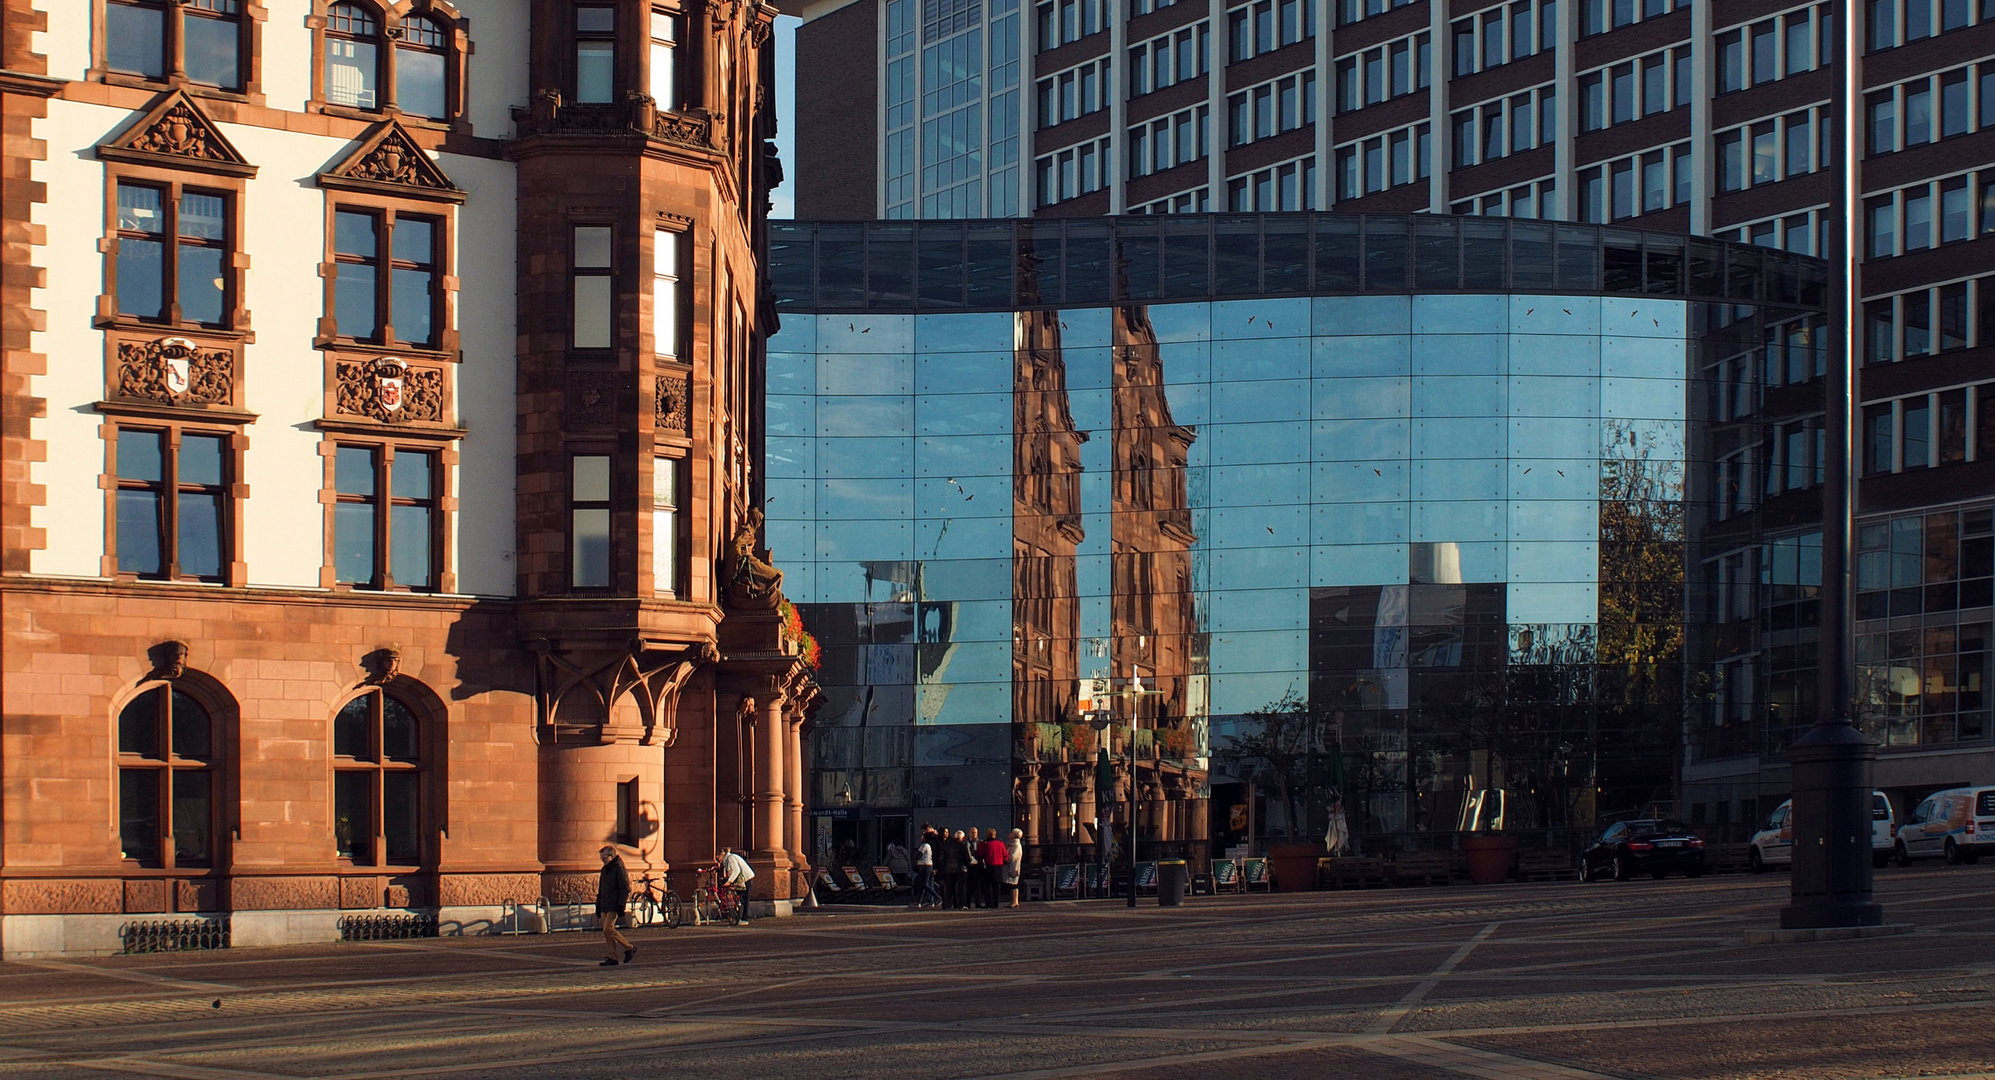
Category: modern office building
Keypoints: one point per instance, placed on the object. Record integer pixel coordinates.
(375, 534)
(1434, 491)
(1709, 117)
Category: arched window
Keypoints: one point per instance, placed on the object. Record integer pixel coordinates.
(421, 68)
(379, 802)
(353, 57)
(167, 747)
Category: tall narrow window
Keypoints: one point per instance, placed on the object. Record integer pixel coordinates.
(413, 292)
(353, 56)
(664, 70)
(172, 503)
(166, 780)
(211, 42)
(135, 37)
(421, 68)
(595, 55)
(357, 285)
(665, 526)
(589, 521)
(665, 292)
(379, 811)
(592, 286)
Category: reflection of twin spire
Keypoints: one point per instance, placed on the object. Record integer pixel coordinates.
(1150, 522)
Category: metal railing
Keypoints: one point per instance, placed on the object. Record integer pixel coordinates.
(174, 935)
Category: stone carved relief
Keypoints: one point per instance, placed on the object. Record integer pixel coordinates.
(592, 398)
(104, 896)
(284, 894)
(570, 888)
(169, 659)
(175, 371)
(389, 390)
(194, 896)
(673, 409)
(382, 665)
(145, 896)
(359, 892)
(694, 131)
(587, 687)
(487, 890)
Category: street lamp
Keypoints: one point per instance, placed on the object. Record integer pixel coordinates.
(1101, 719)
(1832, 763)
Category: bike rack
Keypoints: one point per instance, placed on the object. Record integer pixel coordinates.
(524, 918)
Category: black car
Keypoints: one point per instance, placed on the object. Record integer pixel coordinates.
(1652, 846)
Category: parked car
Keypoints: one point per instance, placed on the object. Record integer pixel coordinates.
(1957, 824)
(1652, 846)
(1773, 845)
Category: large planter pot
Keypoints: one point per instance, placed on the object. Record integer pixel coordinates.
(1489, 856)
(1294, 865)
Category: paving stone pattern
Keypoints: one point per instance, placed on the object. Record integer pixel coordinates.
(1639, 979)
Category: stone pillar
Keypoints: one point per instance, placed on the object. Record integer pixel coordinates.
(1028, 788)
(770, 859)
(796, 842)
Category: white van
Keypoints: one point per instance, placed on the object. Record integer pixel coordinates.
(1774, 844)
(1957, 824)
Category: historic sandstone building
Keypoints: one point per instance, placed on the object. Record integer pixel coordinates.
(377, 461)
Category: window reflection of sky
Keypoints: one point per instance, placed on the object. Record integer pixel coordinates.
(1335, 440)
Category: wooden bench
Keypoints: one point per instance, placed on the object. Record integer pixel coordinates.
(1353, 872)
(1420, 868)
(1544, 865)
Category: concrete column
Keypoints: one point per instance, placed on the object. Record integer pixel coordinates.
(1028, 785)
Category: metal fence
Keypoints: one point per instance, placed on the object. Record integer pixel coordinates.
(174, 935)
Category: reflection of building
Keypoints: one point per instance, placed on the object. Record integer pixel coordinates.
(1443, 494)
(401, 575)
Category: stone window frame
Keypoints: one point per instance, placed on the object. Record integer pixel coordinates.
(175, 181)
(174, 425)
(431, 742)
(251, 21)
(443, 505)
(573, 506)
(446, 346)
(678, 460)
(220, 747)
(457, 63)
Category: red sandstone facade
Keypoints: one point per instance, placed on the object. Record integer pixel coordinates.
(282, 753)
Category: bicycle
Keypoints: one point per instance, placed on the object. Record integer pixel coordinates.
(714, 902)
(652, 899)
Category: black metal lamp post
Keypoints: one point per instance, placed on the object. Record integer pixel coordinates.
(1102, 720)
(1832, 762)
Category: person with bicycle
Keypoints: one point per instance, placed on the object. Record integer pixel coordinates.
(612, 894)
(733, 873)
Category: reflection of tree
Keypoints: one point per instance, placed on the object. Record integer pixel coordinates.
(1282, 740)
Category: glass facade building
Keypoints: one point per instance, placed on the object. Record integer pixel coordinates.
(1422, 496)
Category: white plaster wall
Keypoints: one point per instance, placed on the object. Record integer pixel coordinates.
(66, 42)
(283, 376)
(287, 55)
(498, 82)
(73, 217)
(486, 380)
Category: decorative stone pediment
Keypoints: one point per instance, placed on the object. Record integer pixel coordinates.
(388, 162)
(174, 371)
(174, 132)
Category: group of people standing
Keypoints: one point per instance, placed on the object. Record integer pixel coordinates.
(959, 871)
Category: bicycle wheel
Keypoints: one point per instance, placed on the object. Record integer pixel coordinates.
(732, 906)
(674, 910)
(643, 910)
(704, 907)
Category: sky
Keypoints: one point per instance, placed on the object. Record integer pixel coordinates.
(783, 199)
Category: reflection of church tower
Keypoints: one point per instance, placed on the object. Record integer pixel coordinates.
(1046, 527)
(1150, 543)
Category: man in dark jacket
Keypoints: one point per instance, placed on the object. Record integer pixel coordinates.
(612, 893)
(952, 861)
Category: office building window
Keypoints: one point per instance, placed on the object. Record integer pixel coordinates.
(593, 284)
(173, 255)
(665, 506)
(665, 36)
(387, 284)
(213, 42)
(352, 56)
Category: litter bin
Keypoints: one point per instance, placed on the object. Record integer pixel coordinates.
(1171, 878)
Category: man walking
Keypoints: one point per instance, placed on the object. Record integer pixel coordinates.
(925, 893)
(612, 893)
(735, 874)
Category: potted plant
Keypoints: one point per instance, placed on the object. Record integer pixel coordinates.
(1281, 738)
